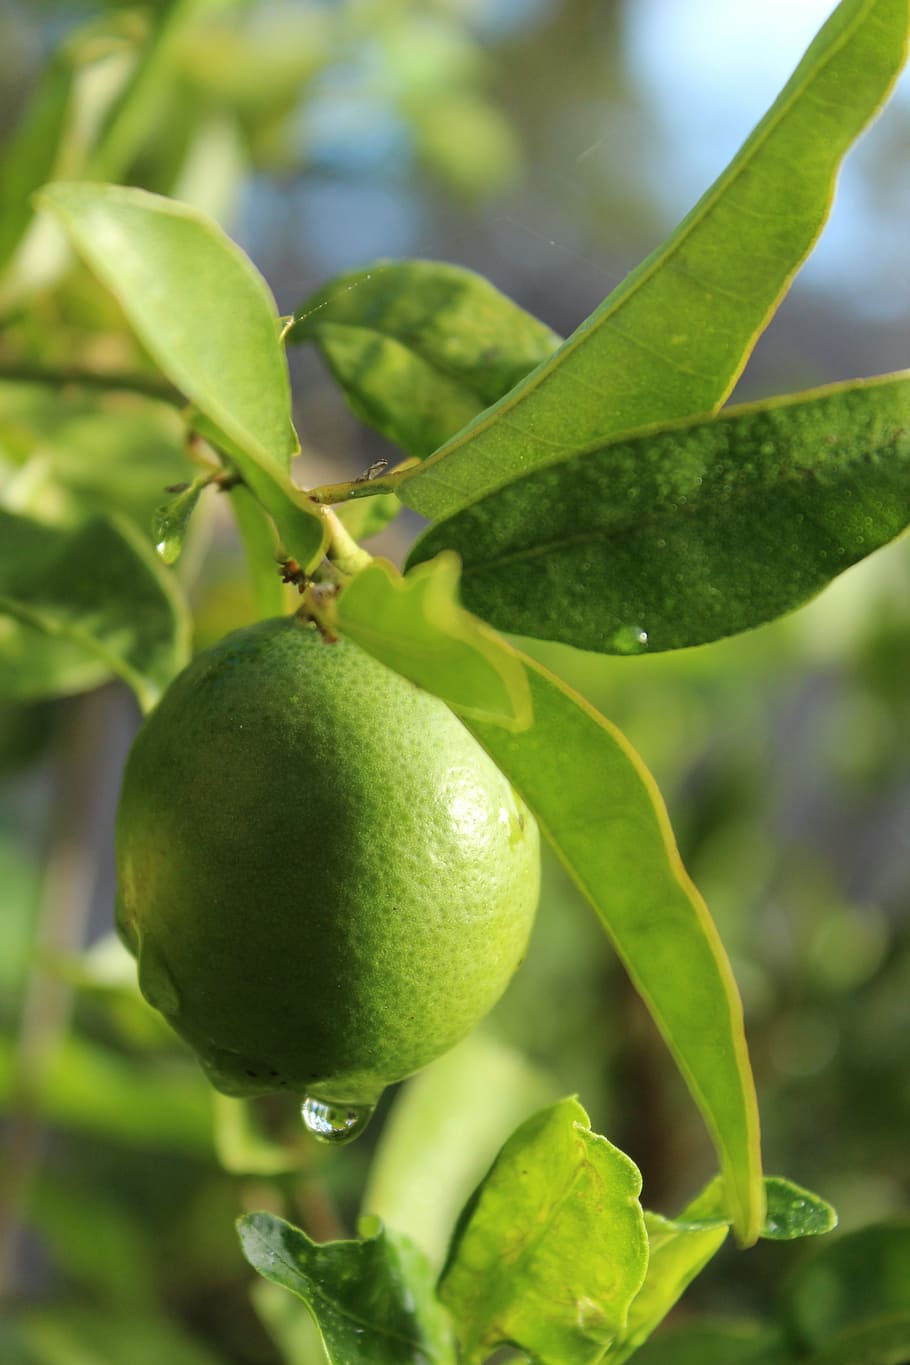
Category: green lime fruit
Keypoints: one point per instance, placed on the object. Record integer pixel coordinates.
(325, 879)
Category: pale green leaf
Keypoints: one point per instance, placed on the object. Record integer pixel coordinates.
(372, 1300)
(415, 625)
(446, 1126)
(693, 531)
(100, 591)
(551, 1249)
(671, 340)
(599, 807)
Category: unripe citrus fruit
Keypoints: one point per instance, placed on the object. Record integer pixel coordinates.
(325, 879)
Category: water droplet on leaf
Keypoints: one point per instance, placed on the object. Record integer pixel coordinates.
(335, 1123)
(630, 640)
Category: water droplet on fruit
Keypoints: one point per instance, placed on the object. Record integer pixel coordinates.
(335, 1123)
(630, 640)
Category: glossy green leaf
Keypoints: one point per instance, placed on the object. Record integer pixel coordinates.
(717, 1343)
(171, 520)
(599, 807)
(443, 1132)
(882, 1341)
(416, 626)
(100, 590)
(206, 316)
(420, 347)
(372, 1300)
(671, 340)
(852, 1280)
(791, 1212)
(694, 531)
(551, 1248)
(678, 1251)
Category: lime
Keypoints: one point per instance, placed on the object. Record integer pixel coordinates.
(325, 879)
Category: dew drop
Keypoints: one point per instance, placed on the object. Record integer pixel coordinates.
(335, 1123)
(630, 640)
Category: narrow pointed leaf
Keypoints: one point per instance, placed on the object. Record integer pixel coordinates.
(551, 1248)
(372, 1300)
(101, 592)
(172, 519)
(694, 531)
(671, 340)
(207, 317)
(421, 347)
(599, 807)
(29, 157)
(416, 626)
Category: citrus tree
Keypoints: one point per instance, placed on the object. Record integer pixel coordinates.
(327, 840)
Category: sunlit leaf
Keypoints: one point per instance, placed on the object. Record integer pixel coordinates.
(416, 626)
(694, 531)
(445, 1128)
(420, 347)
(372, 1300)
(600, 808)
(209, 321)
(671, 340)
(551, 1249)
(101, 592)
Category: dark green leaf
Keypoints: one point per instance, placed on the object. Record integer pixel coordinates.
(416, 626)
(420, 347)
(172, 519)
(717, 1343)
(372, 1300)
(694, 531)
(551, 1249)
(98, 590)
(600, 808)
(672, 339)
(853, 1279)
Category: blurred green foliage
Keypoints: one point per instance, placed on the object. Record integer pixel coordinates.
(784, 754)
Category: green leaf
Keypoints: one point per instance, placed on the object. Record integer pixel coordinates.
(415, 625)
(77, 1334)
(678, 1251)
(444, 1130)
(680, 1248)
(372, 1300)
(101, 592)
(883, 1341)
(172, 519)
(420, 347)
(206, 316)
(694, 531)
(671, 340)
(717, 1343)
(366, 517)
(30, 156)
(608, 825)
(551, 1248)
(854, 1279)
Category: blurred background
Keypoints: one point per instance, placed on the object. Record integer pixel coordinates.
(550, 145)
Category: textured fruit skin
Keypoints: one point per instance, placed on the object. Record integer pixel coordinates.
(325, 879)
